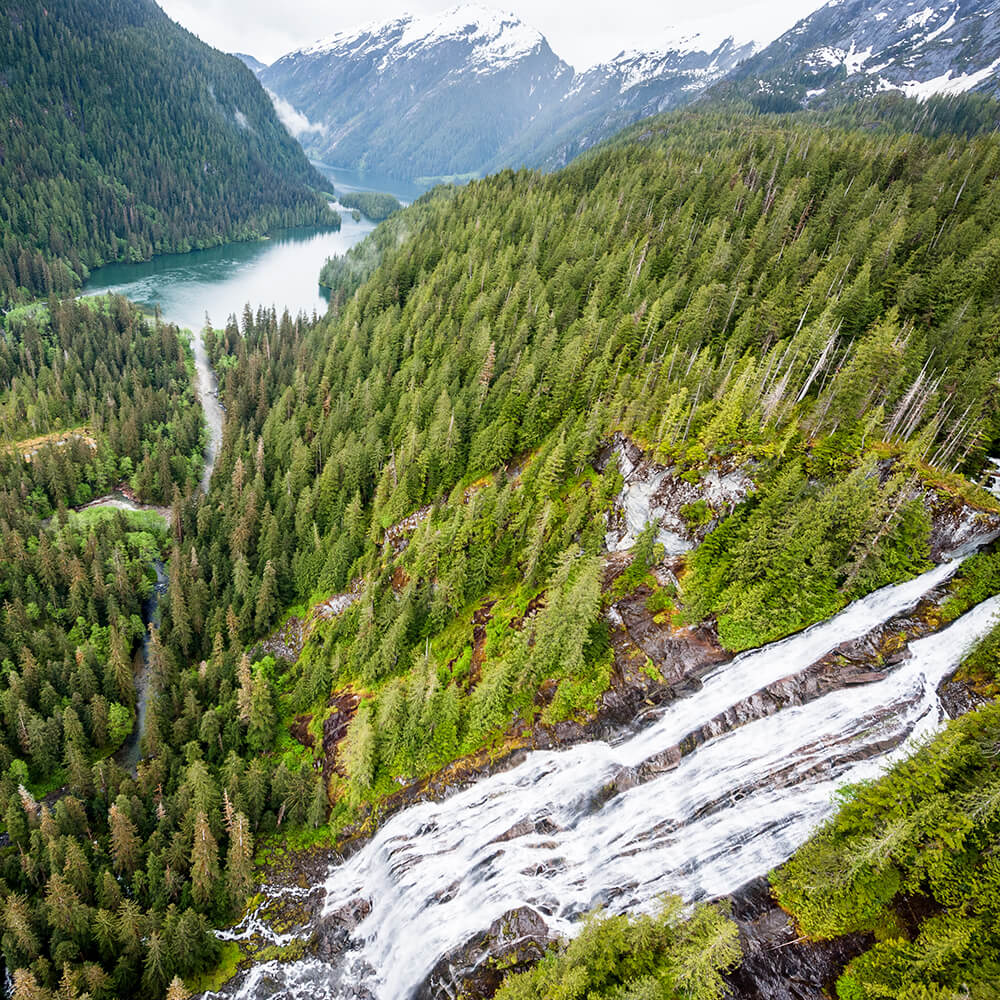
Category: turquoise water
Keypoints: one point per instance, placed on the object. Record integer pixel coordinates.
(345, 180)
(282, 272)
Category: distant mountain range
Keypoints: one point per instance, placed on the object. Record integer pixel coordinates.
(850, 49)
(472, 90)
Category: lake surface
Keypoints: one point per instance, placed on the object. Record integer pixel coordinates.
(345, 181)
(282, 272)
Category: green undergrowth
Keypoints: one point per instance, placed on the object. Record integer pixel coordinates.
(981, 668)
(801, 549)
(145, 521)
(977, 579)
(230, 957)
(669, 954)
(919, 840)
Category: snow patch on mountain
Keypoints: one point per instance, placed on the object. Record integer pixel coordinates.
(919, 20)
(691, 56)
(949, 84)
(497, 39)
(851, 59)
(853, 48)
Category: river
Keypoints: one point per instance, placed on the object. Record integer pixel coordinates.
(548, 834)
(282, 272)
(552, 834)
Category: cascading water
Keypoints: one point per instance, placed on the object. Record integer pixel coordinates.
(554, 835)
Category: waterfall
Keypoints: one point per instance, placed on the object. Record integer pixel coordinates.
(556, 834)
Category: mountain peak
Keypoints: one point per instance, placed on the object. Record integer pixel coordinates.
(496, 38)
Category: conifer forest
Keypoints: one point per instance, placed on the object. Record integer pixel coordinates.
(723, 376)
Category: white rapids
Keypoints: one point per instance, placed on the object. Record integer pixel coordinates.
(440, 872)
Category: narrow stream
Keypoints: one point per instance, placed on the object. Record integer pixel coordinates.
(553, 835)
(282, 272)
(130, 753)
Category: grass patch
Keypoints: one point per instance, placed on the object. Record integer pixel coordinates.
(230, 956)
(139, 520)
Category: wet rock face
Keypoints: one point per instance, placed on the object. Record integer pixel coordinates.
(286, 643)
(653, 492)
(334, 932)
(679, 654)
(513, 943)
(776, 964)
(959, 698)
(300, 731)
(957, 529)
(345, 705)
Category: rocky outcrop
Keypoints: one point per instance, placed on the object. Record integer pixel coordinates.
(959, 698)
(345, 706)
(957, 528)
(513, 943)
(288, 641)
(653, 492)
(299, 730)
(777, 963)
(680, 655)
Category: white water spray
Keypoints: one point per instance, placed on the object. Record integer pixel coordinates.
(553, 835)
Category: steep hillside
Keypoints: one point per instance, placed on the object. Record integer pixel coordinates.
(767, 296)
(122, 136)
(854, 48)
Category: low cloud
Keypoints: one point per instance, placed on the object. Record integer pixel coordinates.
(296, 122)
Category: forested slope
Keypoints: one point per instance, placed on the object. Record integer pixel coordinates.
(800, 302)
(122, 136)
(814, 306)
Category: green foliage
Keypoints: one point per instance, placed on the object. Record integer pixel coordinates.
(374, 204)
(799, 551)
(979, 579)
(928, 828)
(775, 293)
(111, 153)
(667, 955)
(982, 665)
(86, 423)
(696, 514)
(115, 888)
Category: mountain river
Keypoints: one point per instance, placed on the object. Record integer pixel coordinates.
(554, 835)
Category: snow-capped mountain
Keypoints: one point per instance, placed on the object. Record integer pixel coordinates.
(853, 48)
(254, 64)
(420, 96)
(473, 89)
(606, 98)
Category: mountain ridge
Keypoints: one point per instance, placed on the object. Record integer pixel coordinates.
(482, 83)
(851, 49)
(541, 112)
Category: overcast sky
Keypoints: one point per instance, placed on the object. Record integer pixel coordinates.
(582, 32)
